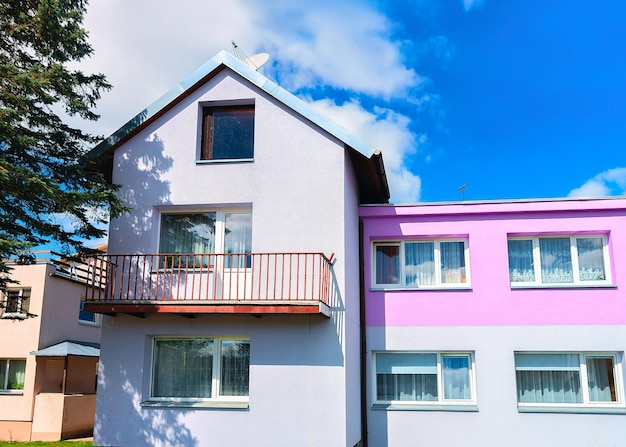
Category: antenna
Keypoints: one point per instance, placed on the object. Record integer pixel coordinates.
(256, 61)
(462, 189)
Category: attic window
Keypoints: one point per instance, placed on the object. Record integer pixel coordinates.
(227, 133)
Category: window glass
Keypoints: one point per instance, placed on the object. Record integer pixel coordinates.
(556, 260)
(453, 262)
(521, 260)
(590, 259)
(387, 264)
(238, 238)
(456, 377)
(88, 317)
(187, 233)
(601, 379)
(419, 258)
(12, 374)
(228, 133)
(235, 368)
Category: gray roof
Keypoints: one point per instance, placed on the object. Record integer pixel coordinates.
(69, 347)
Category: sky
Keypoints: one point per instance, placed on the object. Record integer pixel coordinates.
(514, 99)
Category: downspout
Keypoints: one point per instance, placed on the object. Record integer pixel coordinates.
(363, 339)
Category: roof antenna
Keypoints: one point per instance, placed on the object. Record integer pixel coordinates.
(256, 61)
(462, 189)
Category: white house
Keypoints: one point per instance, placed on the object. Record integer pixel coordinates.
(231, 290)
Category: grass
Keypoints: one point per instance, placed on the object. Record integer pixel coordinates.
(47, 444)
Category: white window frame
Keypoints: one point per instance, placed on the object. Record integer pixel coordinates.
(216, 399)
(577, 282)
(4, 386)
(584, 382)
(20, 314)
(441, 400)
(437, 259)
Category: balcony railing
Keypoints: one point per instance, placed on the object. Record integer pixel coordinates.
(213, 283)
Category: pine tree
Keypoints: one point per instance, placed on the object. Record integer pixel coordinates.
(46, 175)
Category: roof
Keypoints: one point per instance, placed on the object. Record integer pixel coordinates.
(70, 347)
(372, 180)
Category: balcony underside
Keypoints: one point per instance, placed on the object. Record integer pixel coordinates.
(215, 307)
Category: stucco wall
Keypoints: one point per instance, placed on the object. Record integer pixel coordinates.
(297, 188)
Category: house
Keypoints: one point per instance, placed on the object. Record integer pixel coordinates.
(230, 292)
(48, 353)
(496, 323)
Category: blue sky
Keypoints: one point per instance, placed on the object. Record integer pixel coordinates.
(516, 99)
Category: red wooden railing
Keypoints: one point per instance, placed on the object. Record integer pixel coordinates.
(257, 278)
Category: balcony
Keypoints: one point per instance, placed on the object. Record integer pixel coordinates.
(188, 284)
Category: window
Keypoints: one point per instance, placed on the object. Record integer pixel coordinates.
(200, 369)
(16, 303)
(86, 317)
(580, 260)
(12, 373)
(227, 133)
(424, 378)
(421, 263)
(228, 232)
(568, 379)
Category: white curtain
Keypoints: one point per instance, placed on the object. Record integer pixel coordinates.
(387, 264)
(548, 378)
(411, 377)
(556, 260)
(238, 238)
(183, 368)
(419, 259)
(521, 260)
(590, 259)
(452, 262)
(456, 377)
(601, 380)
(12, 378)
(234, 377)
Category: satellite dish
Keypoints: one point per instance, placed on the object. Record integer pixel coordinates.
(256, 61)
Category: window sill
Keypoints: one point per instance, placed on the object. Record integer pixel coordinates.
(11, 392)
(430, 288)
(89, 323)
(13, 316)
(564, 286)
(228, 160)
(426, 407)
(580, 409)
(205, 404)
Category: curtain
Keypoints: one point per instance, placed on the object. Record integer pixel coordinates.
(548, 378)
(521, 260)
(456, 377)
(419, 258)
(235, 372)
(411, 377)
(183, 368)
(556, 260)
(17, 373)
(387, 264)
(187, 233)
(590, 259)
(238, 238)
(452, 262)
(600, 379)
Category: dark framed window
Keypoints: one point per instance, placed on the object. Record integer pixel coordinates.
(227, 133)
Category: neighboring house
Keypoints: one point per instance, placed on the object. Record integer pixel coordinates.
(48, 354)
(496, 323)
(231, 289)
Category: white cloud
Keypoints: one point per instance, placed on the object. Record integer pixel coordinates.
(472, 4)
(607, 183)
(385, 130)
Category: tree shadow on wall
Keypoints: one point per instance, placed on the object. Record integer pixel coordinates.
(145, 165)
(135, 425)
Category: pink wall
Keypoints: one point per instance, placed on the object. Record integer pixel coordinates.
(491, 300)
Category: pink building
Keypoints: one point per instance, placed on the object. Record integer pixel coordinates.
(495, 323)
(48, 354)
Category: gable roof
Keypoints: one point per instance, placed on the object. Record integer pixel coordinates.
(373, 187)
(70, 347)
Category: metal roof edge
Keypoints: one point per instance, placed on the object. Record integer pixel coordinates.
(261, 81)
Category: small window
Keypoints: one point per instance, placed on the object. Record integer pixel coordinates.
(200, 369)
(16, 303)
(424, 378)
(86, 317)
(576, 260)
(227, 133)
(567, 379)
(421, 263)
(12, 372)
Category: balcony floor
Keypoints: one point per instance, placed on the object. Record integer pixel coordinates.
(208, 307)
